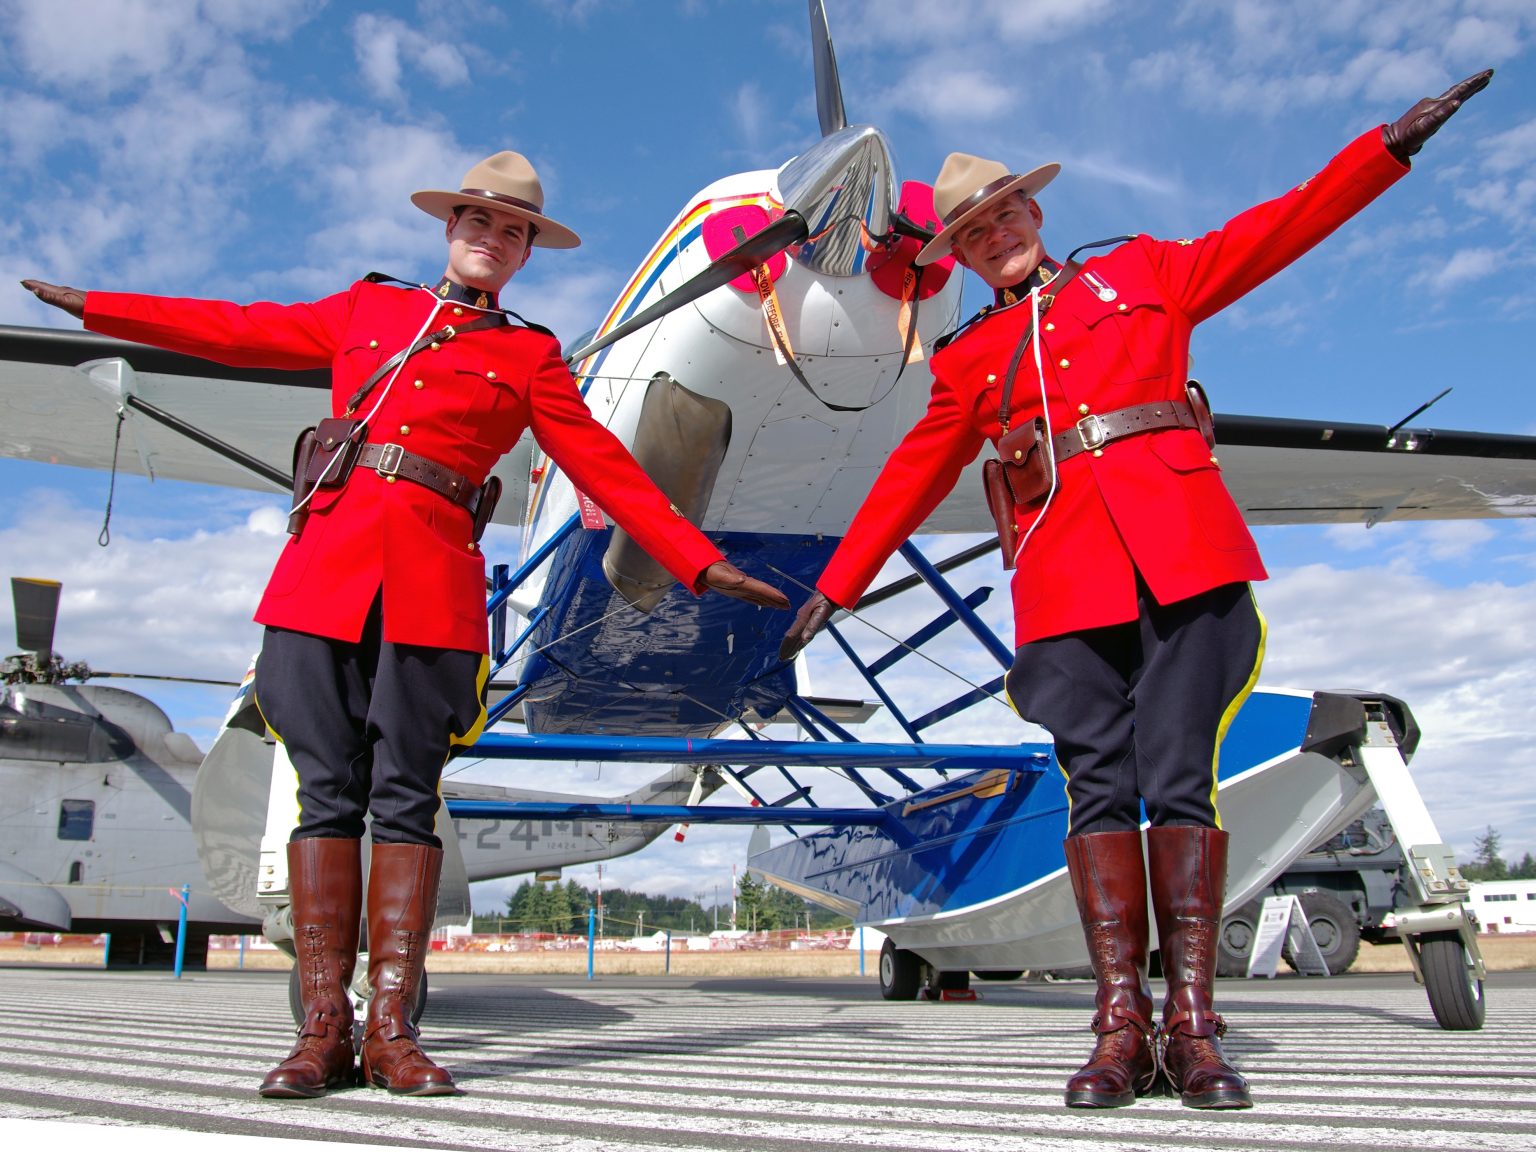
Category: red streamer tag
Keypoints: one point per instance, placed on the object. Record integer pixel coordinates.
(591, 514)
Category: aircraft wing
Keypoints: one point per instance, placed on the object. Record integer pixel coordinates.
(186, 418)
(1284, 471)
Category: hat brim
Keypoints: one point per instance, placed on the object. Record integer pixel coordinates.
(1030, 183)
(549, 235)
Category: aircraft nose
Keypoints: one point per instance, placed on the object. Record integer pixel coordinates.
(844, 187)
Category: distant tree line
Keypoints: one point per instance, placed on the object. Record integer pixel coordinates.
(550, 906)
(1487, 864)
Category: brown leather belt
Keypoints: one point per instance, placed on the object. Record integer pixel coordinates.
(392, 460)
(1091, 433)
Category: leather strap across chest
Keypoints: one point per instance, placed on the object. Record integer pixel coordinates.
(392, 460)
(431, 339)
(1091, 433)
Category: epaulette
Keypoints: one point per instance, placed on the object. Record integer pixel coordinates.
(529, 325)
(386, 278)
(950, 337)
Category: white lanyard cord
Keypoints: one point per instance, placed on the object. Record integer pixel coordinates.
(362, 424)
(1045, 408)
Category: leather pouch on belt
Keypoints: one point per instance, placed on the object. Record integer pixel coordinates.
(337, 443)
(1026, 462)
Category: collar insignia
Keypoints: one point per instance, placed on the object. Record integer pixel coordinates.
(476, 298)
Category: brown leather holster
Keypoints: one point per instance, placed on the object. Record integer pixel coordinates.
(1201, 407)
(1020, 477)
(490, 493)
(316, 463)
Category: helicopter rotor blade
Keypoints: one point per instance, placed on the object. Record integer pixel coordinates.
(95, 675)
(37, 611)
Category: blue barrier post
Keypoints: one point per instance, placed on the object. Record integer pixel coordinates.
(181, 928)
(667, 970)
(242, 952)
(591, 938)
(106, 947)
(861, 949)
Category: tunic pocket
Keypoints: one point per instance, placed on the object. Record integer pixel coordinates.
(1130, 336)
(1210, 504)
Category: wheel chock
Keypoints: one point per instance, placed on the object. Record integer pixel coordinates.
(948, 994)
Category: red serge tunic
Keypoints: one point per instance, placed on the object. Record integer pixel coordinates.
(1152, 503)
(462, 406)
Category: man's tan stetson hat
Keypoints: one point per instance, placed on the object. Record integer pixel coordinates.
(966, 185)
(505, 182)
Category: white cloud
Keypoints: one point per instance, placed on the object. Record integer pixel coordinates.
(1464, 265)
(383, 44)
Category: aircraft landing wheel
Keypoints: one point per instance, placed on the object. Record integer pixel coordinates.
(360, 993)
(948, 981)
(900, 972)
(1012, 974)
(1455, 994)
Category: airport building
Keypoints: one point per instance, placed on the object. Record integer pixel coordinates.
(1504, 905)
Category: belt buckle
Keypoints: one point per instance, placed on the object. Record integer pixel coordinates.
(390, 456)
(1091, 430)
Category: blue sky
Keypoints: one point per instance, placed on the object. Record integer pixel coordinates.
(268, 151)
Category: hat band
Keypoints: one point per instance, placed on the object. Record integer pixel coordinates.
(978, 197)
(500, 198)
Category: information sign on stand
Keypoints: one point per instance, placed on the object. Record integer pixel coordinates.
(1283, 920)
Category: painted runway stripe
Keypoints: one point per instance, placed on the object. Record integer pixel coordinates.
(830, 1066)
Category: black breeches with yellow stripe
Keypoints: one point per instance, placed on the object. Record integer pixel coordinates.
(1138, 710)
(368, 727)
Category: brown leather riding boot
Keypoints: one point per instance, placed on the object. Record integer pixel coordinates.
(325, 885)
(402, 901)
(1111, 889)
(1188, 869)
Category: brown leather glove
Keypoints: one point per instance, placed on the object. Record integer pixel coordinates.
(724, 577)
(811, 619)
(71, 300)
(1423, 120)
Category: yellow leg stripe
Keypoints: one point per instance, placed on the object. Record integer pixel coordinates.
(1237, 701)
(478, 726)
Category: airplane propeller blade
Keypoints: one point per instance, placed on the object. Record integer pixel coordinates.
(829, 90)
(37, 610)
(788, 229)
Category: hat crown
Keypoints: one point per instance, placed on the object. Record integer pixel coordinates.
(506, 174)
(961, 177)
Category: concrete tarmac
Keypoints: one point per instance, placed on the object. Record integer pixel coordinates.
(1353, 1062)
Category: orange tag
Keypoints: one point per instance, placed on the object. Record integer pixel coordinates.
(904, 315)
(771, 313)
(591, 514)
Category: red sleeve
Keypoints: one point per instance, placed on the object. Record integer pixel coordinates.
(287, 336)
(1203, 276)
(600, 466)
(919, 474)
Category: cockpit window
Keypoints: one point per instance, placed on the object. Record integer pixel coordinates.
(77, 818)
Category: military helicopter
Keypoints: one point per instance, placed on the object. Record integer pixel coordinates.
(95, 828)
